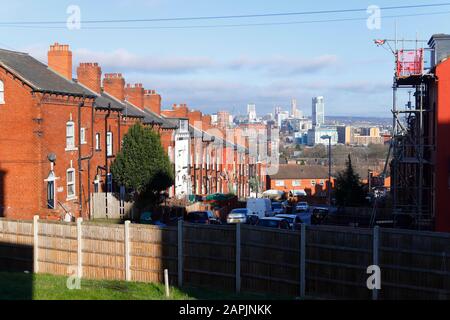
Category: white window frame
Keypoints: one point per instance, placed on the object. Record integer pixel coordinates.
(184, 126)
(313, 183)
(83, 135)
(279, 183)
(71, 136)
(98, 145)
(297, 183)
(73, 195)
(2, 92)
(109, 144)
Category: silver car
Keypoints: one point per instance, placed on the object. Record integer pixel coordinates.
(238, 216)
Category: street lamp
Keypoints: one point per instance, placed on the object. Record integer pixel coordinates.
(328, 137)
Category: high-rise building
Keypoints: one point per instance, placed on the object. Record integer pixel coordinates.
(251, 112)
(318, 111)
(281, 117)
(345, 134)
(316, 134)
(295, 112)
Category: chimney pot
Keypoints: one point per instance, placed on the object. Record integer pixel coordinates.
(114, 84)
(60, 60)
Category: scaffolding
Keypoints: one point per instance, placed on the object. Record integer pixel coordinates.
(412, 144)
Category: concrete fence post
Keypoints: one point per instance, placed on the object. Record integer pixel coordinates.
(166, 283)
(375, 255)
(238, 257)
(127, 251)
(303, 261)
(180, 253)
(79, 248)
(36, 244)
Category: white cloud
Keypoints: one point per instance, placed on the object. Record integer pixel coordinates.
(285, 65)
(125, 61)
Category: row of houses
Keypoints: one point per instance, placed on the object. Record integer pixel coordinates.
(60, 135)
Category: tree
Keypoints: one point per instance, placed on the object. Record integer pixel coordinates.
(254, 185)
(142, 164)
(349, 189)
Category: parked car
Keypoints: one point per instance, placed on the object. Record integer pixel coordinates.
(273, 222)
(293, 220)
(238, 216)
(319, 214)
(147, 218)
(202, 217)
(279, 207)
(302, 206)
(258, 209)
(305, 217)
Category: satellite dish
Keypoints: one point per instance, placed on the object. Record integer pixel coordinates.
(51, 157)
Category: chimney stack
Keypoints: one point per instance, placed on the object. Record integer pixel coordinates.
(135, 95)
(152, 101)
(60, 60)
(114, 85)
(90, 75)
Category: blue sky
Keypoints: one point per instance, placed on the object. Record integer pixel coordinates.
(214, 69)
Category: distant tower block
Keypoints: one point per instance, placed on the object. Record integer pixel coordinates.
(251, 112)
(318, 111)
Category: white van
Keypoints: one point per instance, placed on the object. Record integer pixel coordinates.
(259, 208)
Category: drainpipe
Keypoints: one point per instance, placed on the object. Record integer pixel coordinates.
(90, 156)
(119, 120)
(80, 187)
(108, 115)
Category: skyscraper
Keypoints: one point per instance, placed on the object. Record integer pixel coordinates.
(251, 112)
(318, 111)
(295, 112)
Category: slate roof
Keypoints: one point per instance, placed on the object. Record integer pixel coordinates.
(38, 76)
(295, 171)
(164, 122)
(103, 101)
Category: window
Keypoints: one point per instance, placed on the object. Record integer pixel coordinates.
(51, 194)
(51, 187)
(96, 186)
(296, 183)
(70, 135)
(279, 183)
(2, 92)
(83, 135)
(322, 183)
(184, 125)
(71, 184)
(109, 144)
(109, 183)
(313, 182)
(97, 142)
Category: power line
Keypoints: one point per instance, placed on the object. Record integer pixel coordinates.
(227, 25)
(228, 16)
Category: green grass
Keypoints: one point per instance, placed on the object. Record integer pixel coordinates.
(21, 286)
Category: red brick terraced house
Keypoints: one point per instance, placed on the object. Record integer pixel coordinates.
(60, 136)
(293, 177)
(40, 148)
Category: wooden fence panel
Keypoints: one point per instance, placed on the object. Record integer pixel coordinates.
(270, 261)
(415, 265)
(57, 248)
(209, 256)
(103, 252)
(16, 245)
(336, 262)
(153, 250)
